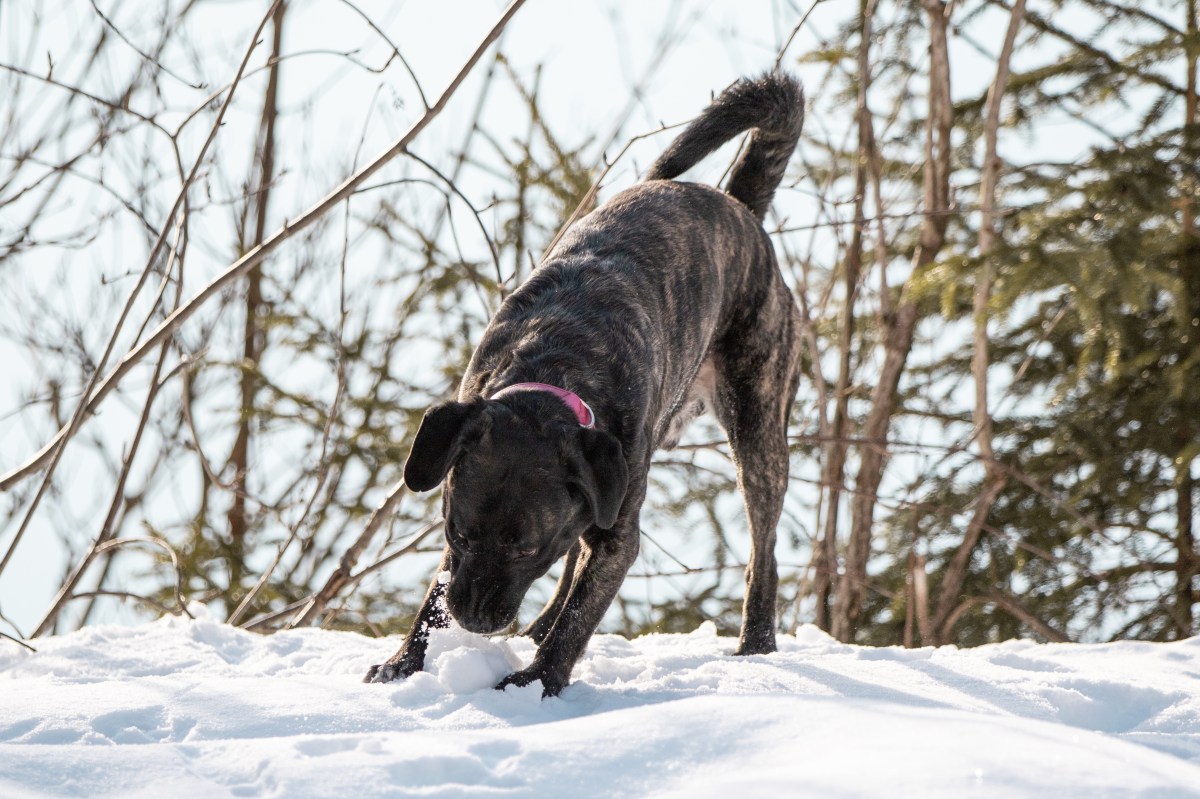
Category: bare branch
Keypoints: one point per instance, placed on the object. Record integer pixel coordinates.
(52, 452)
(341, 576)
(250, 260)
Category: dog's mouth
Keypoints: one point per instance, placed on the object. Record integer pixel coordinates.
(481, 625)
(483, 606)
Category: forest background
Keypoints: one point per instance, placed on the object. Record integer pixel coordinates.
(244, 245)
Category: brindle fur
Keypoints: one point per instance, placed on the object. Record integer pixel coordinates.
(665, 302)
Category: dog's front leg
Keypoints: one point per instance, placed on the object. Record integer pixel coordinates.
(432, 615)
(540, 627)
(600, 569)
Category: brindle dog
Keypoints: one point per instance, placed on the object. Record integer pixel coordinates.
(662, 304)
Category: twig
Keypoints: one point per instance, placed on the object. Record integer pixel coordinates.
(122, 108)
(412, 546)
(268, 64)
(783, 50)
(590, 196)
(16, 640)
(260, 622)
(46, 479)
(189, 419)
(450, 184)
(341, 575)
(154, 603)
(12, 624)
(476, 115)
(395, 50)
(686, 568)
(330, 419)
(109, 24)
(181, 606)
(864, 220)
(162, 544)
(342, 578)
(1007, 604)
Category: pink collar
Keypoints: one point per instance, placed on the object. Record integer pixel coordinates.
(583, 412)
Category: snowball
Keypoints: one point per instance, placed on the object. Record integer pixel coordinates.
(464, 662)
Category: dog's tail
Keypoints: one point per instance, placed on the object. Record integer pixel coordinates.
(773, 105)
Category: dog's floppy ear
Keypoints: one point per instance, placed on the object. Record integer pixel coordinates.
(438, 442)
(601, 474)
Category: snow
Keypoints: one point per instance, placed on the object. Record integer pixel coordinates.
(183, 708)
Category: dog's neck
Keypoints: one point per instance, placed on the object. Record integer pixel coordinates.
(583, 412)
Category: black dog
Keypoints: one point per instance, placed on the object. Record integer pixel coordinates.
(663, 303)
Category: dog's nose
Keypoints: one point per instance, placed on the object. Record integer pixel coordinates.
(483, 618)
(477, 624)
(476, 605)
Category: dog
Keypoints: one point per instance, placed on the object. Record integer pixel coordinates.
(664, 303)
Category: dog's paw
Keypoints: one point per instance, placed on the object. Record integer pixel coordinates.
(387, 672)
(552, 684)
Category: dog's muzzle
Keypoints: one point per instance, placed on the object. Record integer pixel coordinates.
(482, 605)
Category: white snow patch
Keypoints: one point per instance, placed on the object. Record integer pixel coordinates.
(197, 709)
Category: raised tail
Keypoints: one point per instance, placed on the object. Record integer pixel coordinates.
(773, 105)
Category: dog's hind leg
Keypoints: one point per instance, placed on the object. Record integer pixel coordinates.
(540, 626)
(757, 377)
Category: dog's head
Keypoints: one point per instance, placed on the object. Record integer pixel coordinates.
(520, 490)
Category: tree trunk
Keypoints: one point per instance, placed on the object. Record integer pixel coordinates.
(900, 325)
(850, 583)
(825, 559)
(253, 336)
(1187, 559)
(1187, 562)
(994, 477)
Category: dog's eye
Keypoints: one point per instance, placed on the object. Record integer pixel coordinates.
(524, 554)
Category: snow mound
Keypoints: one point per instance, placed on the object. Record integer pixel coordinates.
(198, 709)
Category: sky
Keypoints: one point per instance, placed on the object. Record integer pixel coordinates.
(591, 55)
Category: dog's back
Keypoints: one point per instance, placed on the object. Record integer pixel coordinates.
(661, 270)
